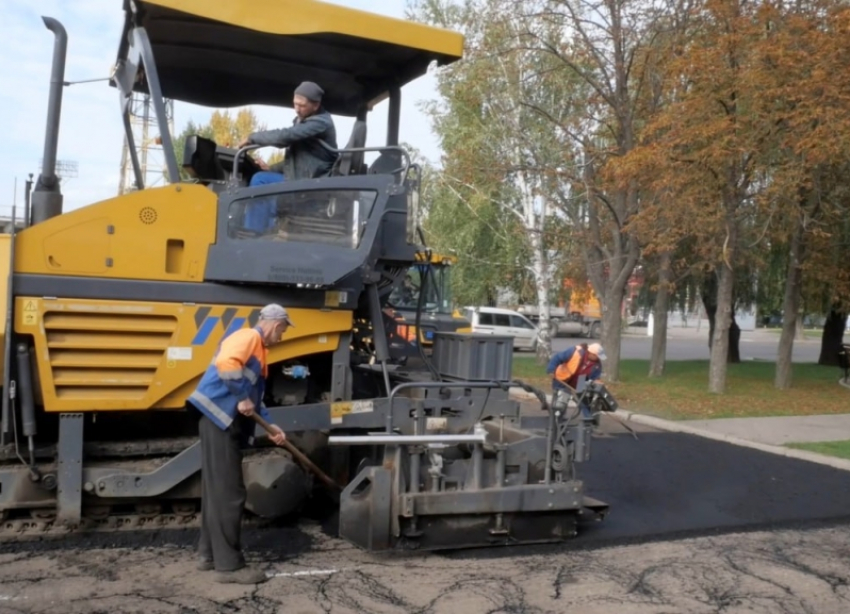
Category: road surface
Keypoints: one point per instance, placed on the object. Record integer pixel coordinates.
(690, 344)
(696, 526)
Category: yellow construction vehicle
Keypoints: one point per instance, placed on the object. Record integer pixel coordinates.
(114, 310)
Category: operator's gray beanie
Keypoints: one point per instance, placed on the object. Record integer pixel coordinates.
(310, 91)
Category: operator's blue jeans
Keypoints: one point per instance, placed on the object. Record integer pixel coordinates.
(261, 216)
(266, 177)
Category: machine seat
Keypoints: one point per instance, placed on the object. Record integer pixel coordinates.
(351, 162)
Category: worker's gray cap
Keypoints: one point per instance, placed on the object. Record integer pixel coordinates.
(275, 312)
(310, 91)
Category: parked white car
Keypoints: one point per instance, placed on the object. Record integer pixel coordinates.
(565, 324)
(497, 321)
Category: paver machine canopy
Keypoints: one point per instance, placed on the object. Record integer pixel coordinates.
(226, 54)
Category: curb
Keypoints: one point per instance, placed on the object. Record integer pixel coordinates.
(679, 427)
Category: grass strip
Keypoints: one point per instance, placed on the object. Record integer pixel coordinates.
(840, 449)
(682, 392)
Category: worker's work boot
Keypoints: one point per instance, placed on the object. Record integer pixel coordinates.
(244, 575)
(204, 564)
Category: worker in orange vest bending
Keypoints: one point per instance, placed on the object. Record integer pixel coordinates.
(568, 366)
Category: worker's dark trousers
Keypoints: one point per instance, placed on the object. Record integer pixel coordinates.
(222, 494)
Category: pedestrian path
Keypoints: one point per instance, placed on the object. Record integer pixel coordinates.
(782, 430)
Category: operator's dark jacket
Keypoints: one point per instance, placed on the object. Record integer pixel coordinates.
(305, 157)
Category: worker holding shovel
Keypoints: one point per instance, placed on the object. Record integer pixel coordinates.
(229, 397)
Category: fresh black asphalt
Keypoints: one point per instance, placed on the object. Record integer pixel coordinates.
(664, 484)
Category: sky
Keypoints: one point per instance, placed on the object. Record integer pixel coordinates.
(91, 132)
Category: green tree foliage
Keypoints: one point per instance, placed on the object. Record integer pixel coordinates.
(482, 236)
(550, 93)
(226, 130)
(499, 154)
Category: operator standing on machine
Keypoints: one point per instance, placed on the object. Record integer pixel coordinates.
(227, 396)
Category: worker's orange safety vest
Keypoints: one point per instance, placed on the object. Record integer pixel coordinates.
(566, 370)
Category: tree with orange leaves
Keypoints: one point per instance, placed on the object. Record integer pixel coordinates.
(740, 146)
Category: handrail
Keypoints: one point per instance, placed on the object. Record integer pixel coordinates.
(381, 149)
(478, 436)
(234, 176)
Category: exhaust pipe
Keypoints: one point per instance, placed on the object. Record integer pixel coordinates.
(47, 196)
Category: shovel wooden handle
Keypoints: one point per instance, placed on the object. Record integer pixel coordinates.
(297, 454)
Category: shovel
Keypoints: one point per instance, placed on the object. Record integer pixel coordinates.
(300, 456)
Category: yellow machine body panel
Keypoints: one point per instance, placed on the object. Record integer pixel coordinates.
(160, 234)
(435, 258)
(94, 355)
(457, 315)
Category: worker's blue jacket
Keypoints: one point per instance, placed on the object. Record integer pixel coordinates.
(238, 371)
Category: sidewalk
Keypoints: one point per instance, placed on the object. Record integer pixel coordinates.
(768, 434)
(781, 430)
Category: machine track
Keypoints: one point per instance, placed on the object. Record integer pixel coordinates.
(153, 514)
(35, 528)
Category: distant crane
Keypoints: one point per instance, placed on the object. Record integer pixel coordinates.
(148, 147)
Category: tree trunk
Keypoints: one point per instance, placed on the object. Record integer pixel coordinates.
(662, 305)
(612, 320)
(799, 327)
(710, 313)
(833, 336)
(733, 356)
(790, 307)
(534, 219)
(720, 336)
(610, 262)
(709, 303)
(541, 278)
